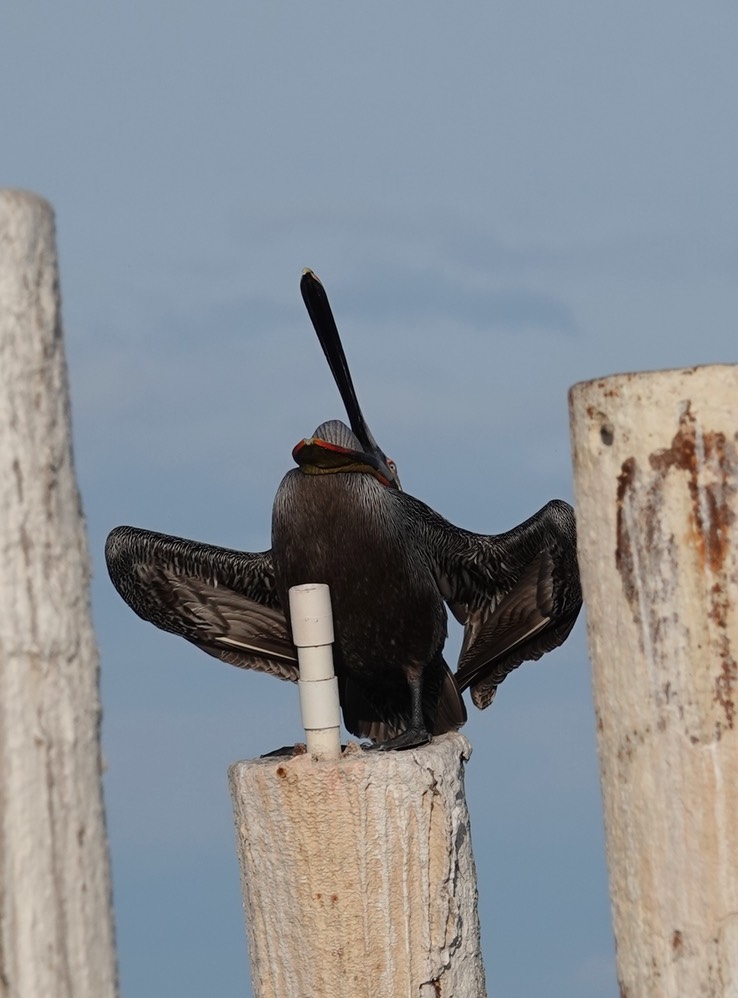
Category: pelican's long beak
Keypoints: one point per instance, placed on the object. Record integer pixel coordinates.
(321, 316)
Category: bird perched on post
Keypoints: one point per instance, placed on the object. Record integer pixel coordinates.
(392, 564)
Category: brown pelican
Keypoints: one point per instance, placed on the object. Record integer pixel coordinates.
(391, 563)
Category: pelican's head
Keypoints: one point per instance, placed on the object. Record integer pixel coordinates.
(334, 449)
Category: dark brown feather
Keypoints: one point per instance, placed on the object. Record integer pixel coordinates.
(223, 601)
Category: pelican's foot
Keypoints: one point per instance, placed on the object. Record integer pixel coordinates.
(411, 738)
(291, 750)
(300, 749)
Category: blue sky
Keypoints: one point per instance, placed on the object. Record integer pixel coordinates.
(502, 199)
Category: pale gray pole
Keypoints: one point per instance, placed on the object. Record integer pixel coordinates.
(656, 485)
(56, 923)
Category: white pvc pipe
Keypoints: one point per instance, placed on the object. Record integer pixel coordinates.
(312, 633)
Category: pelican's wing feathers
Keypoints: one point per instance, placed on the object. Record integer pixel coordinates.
(221, 600)
(517, 594)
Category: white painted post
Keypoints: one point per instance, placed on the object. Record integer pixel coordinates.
(56, 925)
(357, 874)
(656, 483)
(312, 631)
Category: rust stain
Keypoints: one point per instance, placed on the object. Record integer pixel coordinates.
(632, 740)
(708, 465)
(711, 510)
(726, 679)
(724, 690)
(624, 548)
(677, 943)
(607, 431)
(625, 750)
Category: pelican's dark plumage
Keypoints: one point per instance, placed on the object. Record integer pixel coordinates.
(343, 525)
(392, 564)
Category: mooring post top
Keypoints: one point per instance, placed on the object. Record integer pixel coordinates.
(441, 749)
(611, 384)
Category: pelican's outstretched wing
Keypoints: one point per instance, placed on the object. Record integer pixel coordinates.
(223, 601)
(517, 594)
